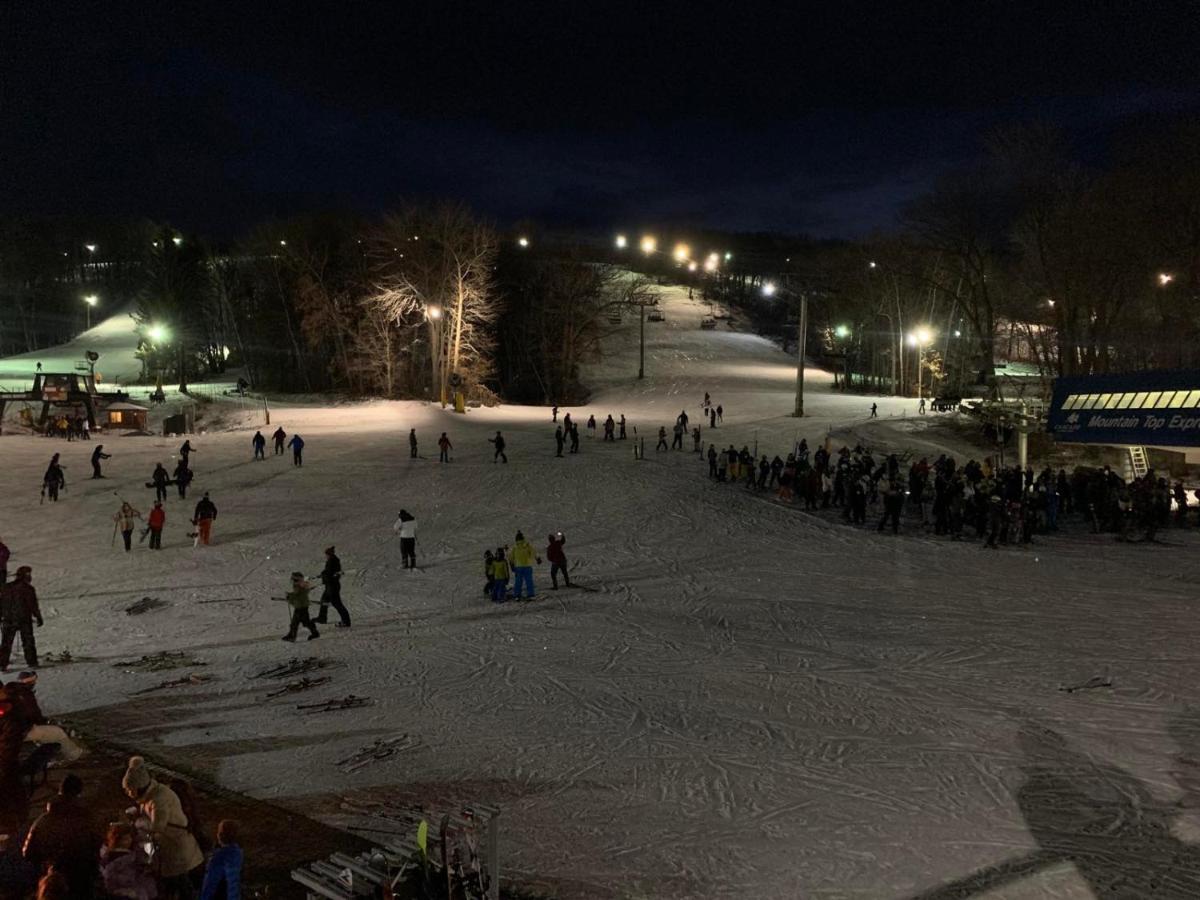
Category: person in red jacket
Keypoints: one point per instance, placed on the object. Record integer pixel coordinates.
(558, 559)
(156, 520)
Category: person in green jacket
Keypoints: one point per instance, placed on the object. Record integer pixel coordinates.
(522, 564)
(297, 599)
(498, 576)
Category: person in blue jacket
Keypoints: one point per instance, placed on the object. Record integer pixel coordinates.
(297, 445)
(223, 877)
(260, 445)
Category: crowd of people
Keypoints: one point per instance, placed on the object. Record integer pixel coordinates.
(71, 428)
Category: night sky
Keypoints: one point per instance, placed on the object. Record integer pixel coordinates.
(823, 119)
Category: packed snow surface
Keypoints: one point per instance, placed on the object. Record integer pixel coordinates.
(746, 701)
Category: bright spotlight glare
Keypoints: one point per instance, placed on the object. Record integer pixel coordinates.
(177, 240)
(622, 242)
(692, 266)
(682, 252)
(91, 299)
(842, 331)
(434, 312)
(768, 289)
(1165, 278)
(157, 332)
(649, 244)
(91, 248)
(523, 241)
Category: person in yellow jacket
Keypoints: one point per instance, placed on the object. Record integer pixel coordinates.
(523, 557)
(498, 575)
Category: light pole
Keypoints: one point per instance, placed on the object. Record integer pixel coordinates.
(90, 300)
(769, 289)
(434, 316)
(920, 339)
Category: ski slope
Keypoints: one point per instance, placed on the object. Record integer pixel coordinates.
(114, 339)
(746, 701)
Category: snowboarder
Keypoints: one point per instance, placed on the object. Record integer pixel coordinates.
(155, 523)
(662, 439)
(412, 443)
(498, 440)
(331, 578)
(53, 479)
(279, 437)
(621, 426)
(297, 599)
(522, 564)
(559, 440)
(297, 445)
(498, 578)
(182, 477)
(97, 455)
(184, 452)
(591, 427)
(203, 518)
(557, 558)
(554, 414)
(260, 445)
(609, 428)
(444, 448)
(574, 438)
(720, 413)
(18, 613)
(874, 411)
(123, 522)
(406, 526)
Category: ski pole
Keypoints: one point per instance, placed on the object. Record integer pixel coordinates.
(113, 542)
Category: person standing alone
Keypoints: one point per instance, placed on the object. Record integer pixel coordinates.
(297, 445)
(18, 612)
(444, 448)
(97, 455)
(203, 518)
(124, 522)
(557, 558)
(155, 522)
(406, 527)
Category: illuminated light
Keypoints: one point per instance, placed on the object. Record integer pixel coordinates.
(157, 333)
(91, 248)
(842, 331)
(872, 264)
(649, 244)
(728, 257)
(1165, 278)
(692, 266)
(957, 333)
(154, 244)
(622, 242)
(920, 337)
(769, 289)
(682, 252)
(177, 240)
(710, 264)
(434, 312)
(91, 299)
(283, 243)
(1050, 303)
(523, 241)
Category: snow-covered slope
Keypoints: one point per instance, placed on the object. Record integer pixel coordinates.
(745, 701)
(114, 339)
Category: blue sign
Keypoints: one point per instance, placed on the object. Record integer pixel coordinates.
(1156, 409)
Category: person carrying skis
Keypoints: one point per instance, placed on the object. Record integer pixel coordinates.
(522, 564)
(557, 558)
(155, 522)
(406, 526)
(18, 612)
(498, 579)
(331, 578)
(297, 600)
(123, 521)
(444, 448)
(574, 438)
(412, 443)
(609, 428)
(203, 518)
(54, 479)
(662, 439)
(183, 477)
(297, 445)
(621, 426)
(185, 451)
(279, 437)
(97, 455)
(159, 481)
(560, 441)
(260, 445)
(498, 440)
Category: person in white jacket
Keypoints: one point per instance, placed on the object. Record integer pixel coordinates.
(406, 527)
(160, 814)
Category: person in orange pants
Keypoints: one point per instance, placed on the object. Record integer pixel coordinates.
(204, 516)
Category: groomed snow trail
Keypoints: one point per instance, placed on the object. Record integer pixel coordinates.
(749, 701)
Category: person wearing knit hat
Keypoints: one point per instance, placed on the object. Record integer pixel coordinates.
(37, 730)
(160, 814)
(331, 578)
(297, 599)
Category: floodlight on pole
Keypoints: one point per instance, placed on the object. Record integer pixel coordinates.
(710, 264)
(842, 331)
(692, 266)
(91, 300)
(728, 256)
(622, 242)
(649, 244)
(769, 289)
(523, 241)
(91, 248)
(434, 312)
(682, 252)
(177, 240)
(872, 264)
(157, 333)
(1165, 278)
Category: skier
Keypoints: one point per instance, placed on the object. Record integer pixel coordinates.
(554, 414)
(260, 445)
(609, 428)
(297, 445)
(18, 613)
(444, 448)
(53, 479)
(297, 599)
(123, 520)
(574, 438)
(874, 411)
(331, 578)
(97, 455)
(203, 518)
(183, 477)
(185, 451)
(683, 419)
(412, 443)
(522, 564)
(776, 471)
(498, 440)
(662, 439)
(677, 439)
(155, 523)
(566, 422)
(279, 437)
(557, 558)
(621, 426)
(712, 418)
(921, 407)
(720, 413)
(712, 461)
(559, 440)
(406, 526)
(696, 439)
(498, 579)
(707, 401)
